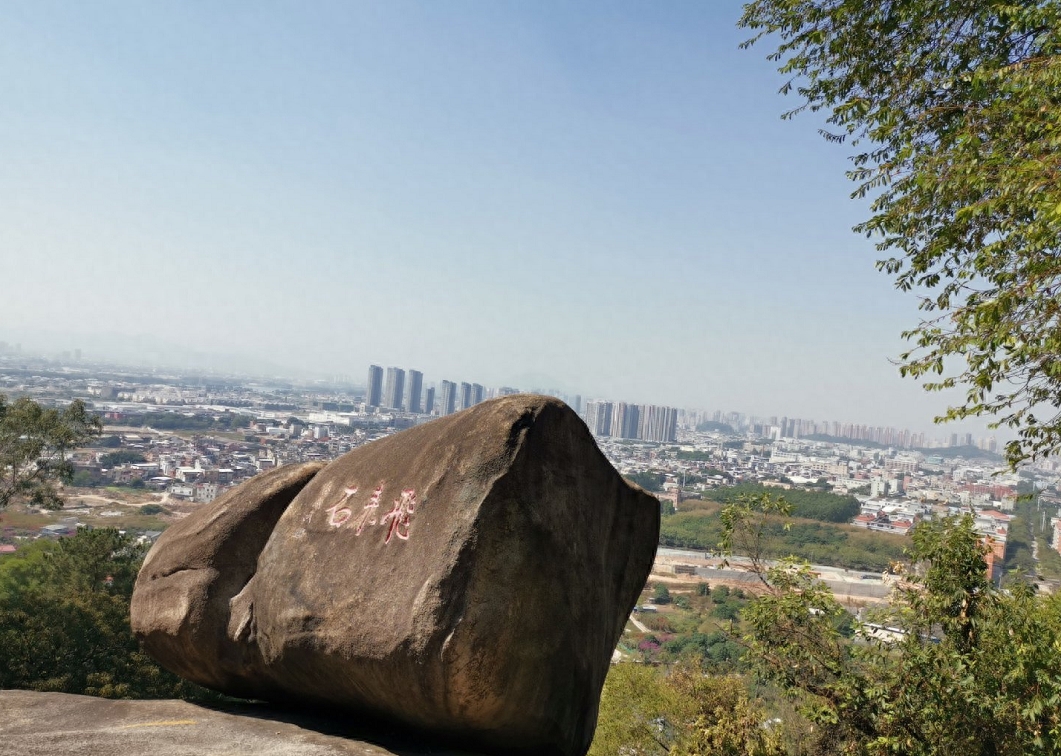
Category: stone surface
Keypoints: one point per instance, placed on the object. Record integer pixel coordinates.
(180, 606)
(469, 577)
(58, 724)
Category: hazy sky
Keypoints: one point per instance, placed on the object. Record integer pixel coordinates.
(599, 194)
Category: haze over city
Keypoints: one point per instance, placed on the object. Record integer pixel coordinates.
(600, 198)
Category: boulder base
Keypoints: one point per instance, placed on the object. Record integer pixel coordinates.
(469, 577)
(60, 724)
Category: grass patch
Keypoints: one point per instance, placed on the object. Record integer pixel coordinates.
(818, 542)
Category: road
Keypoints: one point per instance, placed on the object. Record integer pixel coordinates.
(845, 584)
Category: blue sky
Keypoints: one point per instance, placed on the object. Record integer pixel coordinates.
(601, 195)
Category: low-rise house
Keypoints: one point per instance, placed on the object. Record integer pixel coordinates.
(206, 492)
(182, 491)
(65, 527)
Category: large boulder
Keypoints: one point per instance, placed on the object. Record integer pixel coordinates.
(180, 607)
(469, 577)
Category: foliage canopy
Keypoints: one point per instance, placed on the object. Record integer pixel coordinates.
(648, 480)
(64, 620)
(34, 442)
(955, 108)
(952, 666)
(686, 713)
(813, 505)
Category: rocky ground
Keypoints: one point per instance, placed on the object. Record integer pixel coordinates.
(57, 724)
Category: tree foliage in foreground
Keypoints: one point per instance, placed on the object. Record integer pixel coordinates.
(971, 670)
(34, 442)
(955, 109)
(683, 712)
(64, 621)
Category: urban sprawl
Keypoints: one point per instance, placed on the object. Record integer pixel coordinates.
(182, 440)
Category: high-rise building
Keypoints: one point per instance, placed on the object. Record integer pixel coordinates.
(429, 402)
(465, 395)
(625, 420)
(449, 398)
(620, 412)
(477, 394)
(394, 388)
(416, 389)
(658, 423)
(374, 393)
(599, 418)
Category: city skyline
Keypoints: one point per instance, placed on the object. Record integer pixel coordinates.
(604, 197)
(373, 388)
(619, 419)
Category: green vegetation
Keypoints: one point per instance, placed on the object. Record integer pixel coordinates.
(28, 523)
(716, 648)
(1019, 561)
(955, 111)
(34, 443)
(689, 626)
(672, 700)
(87, 479)
(648, 480)
(695, 456)
(118, 458)
(661, 594)
(965, 452)
(972, 670)
(812, 505)
(818, 543)
(1049, 560)
(1030, 524)
(683, 713)
(64, 621)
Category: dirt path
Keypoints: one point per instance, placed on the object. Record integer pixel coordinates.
(639, 625)
(97, 500)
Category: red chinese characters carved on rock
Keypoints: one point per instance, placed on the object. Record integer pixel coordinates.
(397, 521)
(400, 516)
(340, 513)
